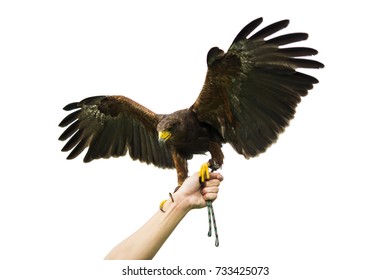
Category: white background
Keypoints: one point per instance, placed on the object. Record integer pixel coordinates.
(314, 206)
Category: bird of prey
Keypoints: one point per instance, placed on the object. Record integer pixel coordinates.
(248, 98)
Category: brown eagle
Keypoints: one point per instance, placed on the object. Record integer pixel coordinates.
(248, 98)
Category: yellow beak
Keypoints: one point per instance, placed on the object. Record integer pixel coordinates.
(164, 135)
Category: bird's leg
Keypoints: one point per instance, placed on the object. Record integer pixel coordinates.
(181, 166)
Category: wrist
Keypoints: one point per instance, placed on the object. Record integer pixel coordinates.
(178, 203)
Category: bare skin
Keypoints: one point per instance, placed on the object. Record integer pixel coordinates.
(147, 241)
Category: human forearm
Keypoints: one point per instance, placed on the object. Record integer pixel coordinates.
(145, 242)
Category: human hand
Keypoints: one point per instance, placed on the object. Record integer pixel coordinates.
(195, 196)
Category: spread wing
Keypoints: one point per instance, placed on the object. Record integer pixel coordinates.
(110, 126)
(251, 92)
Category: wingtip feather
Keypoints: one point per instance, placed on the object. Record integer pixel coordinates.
(248, 29)
(270, 29)
(71, 106)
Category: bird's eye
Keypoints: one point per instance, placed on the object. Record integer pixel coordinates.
(174, 126)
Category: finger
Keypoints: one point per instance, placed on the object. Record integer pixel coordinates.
(216, 175)
(209, 190)
(210, 196)
(212, 183)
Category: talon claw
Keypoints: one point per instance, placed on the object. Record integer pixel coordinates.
(164, 201)
(171, 196)
(213, 165)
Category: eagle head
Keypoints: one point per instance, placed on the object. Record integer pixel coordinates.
(166, 127)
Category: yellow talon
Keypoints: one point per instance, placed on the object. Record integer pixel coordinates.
(162, 205)
(163, 202)
(204, 172)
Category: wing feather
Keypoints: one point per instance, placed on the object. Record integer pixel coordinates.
(288, 39)
(109, 126)
(295, 52)
(69, 118)
(270, 29)
(251, 92)
(248, 29)
(70, 130)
